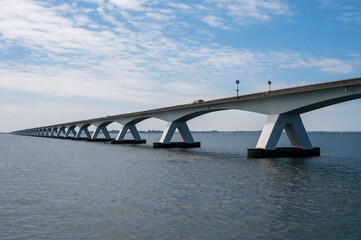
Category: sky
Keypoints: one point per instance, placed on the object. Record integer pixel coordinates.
(69, 60)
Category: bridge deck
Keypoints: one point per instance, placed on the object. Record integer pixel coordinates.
(304, 88)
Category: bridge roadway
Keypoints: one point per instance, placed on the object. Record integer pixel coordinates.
(283, 107)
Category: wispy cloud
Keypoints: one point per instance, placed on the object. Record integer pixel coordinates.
(347, 11)
(352, 16)
(138, 51)
(46, 112)
(136, 5)
(332, 65)
(245, 12)
(179, 5)
(214, 21)
(259, 10)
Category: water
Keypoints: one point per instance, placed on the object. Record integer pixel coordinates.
(61, 189)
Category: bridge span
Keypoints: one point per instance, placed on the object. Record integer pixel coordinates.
(283, 108)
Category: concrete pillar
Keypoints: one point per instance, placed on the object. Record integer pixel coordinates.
(133, 130)
(81, 130)
(272, 130)
(293, 126)
(47, 132)
(71, 130)
(61, 130)
(165, 141)
(182, 128)
(102, 129)
(53, 132)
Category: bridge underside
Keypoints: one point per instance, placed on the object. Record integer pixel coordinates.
(283, 108)
(266, 145)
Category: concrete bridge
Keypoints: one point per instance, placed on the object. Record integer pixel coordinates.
(283, 108)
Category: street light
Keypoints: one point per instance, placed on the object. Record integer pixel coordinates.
(269, 83)
(237, 82)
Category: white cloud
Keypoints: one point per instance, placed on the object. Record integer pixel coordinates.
(136, 52)
(192, 73)
(136, 5)
(332, 65)
(81, 20)
(62, 82)
(185, 88)
(157, 16)
(245, 12)
(329, 65)
(20, 114)
(257, 10)
(214, 21)
(99, 2)
(351, 17)
(347, 11)
(44, 29)
(179, 5)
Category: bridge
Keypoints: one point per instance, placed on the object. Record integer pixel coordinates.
(283, 108)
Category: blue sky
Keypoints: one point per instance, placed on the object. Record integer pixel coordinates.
(70, 60)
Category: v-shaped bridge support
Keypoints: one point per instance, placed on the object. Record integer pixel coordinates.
(70, 130)
(102, 129)
(165, 141)
(271, 133)
(133, 130)
(293, 126)
(81, 130)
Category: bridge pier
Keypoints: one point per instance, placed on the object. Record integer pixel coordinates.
(133, 130)
(61, 130)
(99, 129)
(271, 133)
(71, 130)
(47, 132)
(43, 133)
(165, 141)
(53, 131)
(37, 133)
(81, 130)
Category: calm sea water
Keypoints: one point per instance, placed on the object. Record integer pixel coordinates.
(62, 189)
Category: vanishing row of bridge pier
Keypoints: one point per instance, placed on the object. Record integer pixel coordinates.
(283, 107)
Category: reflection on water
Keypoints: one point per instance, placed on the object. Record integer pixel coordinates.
(60, 189)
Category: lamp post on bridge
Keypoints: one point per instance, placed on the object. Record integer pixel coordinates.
(269, 84)
(237, 82)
